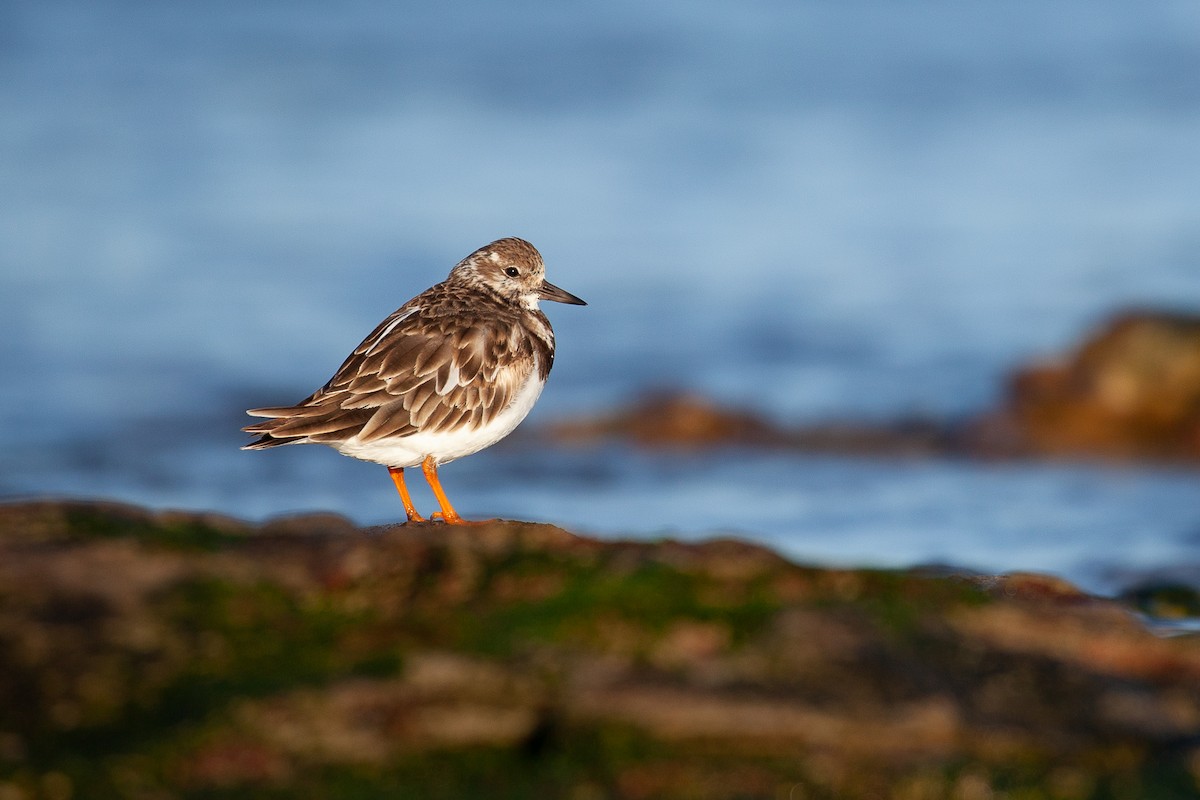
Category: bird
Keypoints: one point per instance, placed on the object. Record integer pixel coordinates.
(451, 372)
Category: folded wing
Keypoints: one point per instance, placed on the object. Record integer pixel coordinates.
(415, 372)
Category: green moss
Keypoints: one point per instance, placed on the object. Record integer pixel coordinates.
(254, 639)
(900, 601)
(650, 596)
(185, 534)
(241, 640)
(383, 664)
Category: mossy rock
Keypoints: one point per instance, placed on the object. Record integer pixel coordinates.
(150, 654)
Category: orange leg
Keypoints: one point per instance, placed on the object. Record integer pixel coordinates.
(397, 474)
(447, 513)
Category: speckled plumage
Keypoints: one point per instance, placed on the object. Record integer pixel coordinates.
(450, 372)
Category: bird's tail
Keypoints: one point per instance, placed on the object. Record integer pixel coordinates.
(268, 428)
(302, 424)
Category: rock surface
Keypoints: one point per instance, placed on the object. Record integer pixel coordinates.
(169, 655)
(688, 420)
(1132, 389)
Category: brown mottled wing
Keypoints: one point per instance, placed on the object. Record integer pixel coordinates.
(416, 372)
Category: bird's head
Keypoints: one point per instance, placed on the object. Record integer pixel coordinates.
(512, 268)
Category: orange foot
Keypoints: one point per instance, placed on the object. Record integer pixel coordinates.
(447, 514)
(456, 519)
(397, 474)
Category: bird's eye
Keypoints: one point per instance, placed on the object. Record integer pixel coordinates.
(512, 272)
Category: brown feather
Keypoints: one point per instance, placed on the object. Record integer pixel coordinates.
(390, 420)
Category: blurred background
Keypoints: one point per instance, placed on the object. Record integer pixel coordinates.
(817, 210)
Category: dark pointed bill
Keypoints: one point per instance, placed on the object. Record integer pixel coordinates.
(551, 292)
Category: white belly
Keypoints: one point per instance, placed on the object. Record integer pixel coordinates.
(446, 446)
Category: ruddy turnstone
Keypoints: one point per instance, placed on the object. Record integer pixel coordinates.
(450, 372)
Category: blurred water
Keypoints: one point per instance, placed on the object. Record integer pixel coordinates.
(815, 209)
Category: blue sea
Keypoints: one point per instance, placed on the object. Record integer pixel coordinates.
(818, 210)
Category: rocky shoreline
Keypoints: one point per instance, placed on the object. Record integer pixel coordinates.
(176, 655)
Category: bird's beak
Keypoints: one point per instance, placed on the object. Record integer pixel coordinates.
(551, 292)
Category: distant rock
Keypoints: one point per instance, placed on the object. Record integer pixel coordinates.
(175, 655)
(673, 418)
(685, 420)
(1131, 390)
